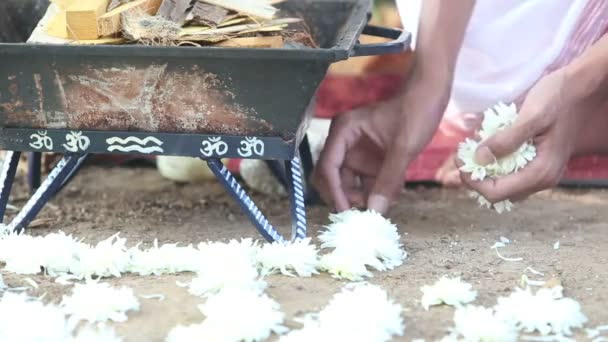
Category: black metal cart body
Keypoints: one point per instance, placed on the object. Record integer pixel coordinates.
(209, 103)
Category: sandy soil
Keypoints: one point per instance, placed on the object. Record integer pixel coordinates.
(443, 231)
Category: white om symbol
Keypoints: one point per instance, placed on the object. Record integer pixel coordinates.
(214, 146)
(41, 140)
(251, 146)
(75, 142)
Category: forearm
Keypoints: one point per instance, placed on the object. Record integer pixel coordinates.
(587, 75)
(441, 31)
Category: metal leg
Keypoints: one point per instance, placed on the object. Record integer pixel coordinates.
(296, 196)
(249, 208)
(312, 197)
(74, 172)
(278, 172)
(7, 177)
(47, 189)
(34, 169)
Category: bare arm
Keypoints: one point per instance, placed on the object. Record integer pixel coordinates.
(587, 75)
(426, 94)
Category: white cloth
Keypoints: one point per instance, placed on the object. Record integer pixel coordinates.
(508, 45)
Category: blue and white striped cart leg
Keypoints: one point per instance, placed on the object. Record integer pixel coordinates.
(43, 194)
(7, 177)
(296, 196)
(233, 187)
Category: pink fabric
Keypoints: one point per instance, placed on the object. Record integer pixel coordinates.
(592, 25)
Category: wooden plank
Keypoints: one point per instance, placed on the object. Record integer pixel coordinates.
(256, 8)
(110, 22)
(82, 18)
(57, 27)
(246, 27)
(206, 14)
(275, 42)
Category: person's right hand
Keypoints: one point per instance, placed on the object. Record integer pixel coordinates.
(368, 150)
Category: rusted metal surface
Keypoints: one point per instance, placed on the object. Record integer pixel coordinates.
(149, 99)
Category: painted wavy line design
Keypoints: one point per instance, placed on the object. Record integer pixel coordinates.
(143, 142)
(135, 148)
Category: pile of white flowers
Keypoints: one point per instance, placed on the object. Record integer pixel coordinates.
(18, 312)
(495, 119)
(234, 314)
(546, 312)
(98, 302)
(360, 312)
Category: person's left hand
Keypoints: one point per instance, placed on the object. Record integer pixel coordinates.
(552, 119)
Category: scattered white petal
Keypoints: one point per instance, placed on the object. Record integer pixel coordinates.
(26, 319)
(525, 281)
(360, 312)
(498, 245)
(299, 256)
(234, 315)
(505, 240)
(360, 239)
(160, 297)
(479, 324)
(546, 311)
(533, 271)
(556, 245)
(449, 291)
(100, 334)
(99, 302)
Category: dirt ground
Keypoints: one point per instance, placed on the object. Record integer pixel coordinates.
(443, 232)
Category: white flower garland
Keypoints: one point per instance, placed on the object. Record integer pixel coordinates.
(227, 265)
(299, 256)
(495, 119)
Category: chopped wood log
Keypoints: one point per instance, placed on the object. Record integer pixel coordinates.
(256, 8)
(82, 18)
(254, 42)
(110, 22)
(206, 14)
(175, 10)
(57, 27)
(225, 31)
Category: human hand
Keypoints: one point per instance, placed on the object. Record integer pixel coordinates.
(553, 119)
(368, 150)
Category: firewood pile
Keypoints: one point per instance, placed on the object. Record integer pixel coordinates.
(223, 23)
